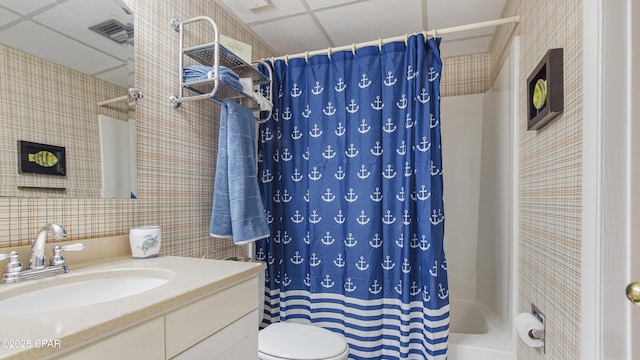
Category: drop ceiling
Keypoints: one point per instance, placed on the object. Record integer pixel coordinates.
(59, 32)
(296, 26)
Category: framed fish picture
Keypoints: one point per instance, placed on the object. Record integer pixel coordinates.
(35, 158)
(545, 90)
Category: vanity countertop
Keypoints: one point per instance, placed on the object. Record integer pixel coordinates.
(40, 335)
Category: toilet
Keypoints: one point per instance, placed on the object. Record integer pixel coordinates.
(294, 341)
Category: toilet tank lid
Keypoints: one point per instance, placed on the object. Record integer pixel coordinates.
(288, 340)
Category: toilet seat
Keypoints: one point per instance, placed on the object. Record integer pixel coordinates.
(293, 341)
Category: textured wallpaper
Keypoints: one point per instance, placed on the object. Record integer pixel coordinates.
(550, 176)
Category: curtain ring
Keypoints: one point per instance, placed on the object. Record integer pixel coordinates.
(434, 33)
(353, 49)
(306, 56)
(406, 39)
(380, 44)
(286, 59)
(329, 52)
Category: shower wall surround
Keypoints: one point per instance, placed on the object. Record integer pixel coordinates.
(176, 147)
(550, 176)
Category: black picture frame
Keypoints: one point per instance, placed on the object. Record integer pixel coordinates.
(551, 70)
(25, 166)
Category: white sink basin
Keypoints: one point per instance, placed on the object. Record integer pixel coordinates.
(67, 291)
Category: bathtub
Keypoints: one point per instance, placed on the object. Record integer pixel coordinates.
(475, 333)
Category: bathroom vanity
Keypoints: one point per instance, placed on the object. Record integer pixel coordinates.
(200, 309)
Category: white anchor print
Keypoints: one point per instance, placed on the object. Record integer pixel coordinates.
(339, 261)
(364, 82)
(340, 130)
(415, 289)
(295, 91)
(349, 286)
(388, 219)
(433, 122)
(340, 86)
(351, 151)
(363, 173)
(410, 73)
(327, 239)
(352, 108)
(297, 217)
(389, 126)
(287, 114)
(351, 196)
(314, 218)
(364, 127)
(389, 173)
(317, 89)
(316, 131)
(362, 264)
(327, 282)
(388, 264)
(315, 175)
(432, 74)
(286, 281)
(314, 260)
(377, 104)
(375, 288)
(377, 149)
(402, 103)
(307, 112)
(363, 219)
(297, 259)
(442, 293)
(329, 109)
(376, 242)
(328, 196)
(390, 80)
(377, 195)
(328, 153)
(424, 96)
(350, 241)
(398, 288)
(436, 217)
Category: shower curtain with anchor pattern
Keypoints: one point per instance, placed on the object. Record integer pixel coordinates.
(350, 170)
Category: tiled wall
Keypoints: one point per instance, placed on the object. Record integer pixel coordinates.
(176, 147)
(550, 163)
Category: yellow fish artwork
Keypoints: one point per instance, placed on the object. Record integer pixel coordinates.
(43, 158)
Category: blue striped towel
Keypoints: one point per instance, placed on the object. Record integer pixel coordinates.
(237, 211)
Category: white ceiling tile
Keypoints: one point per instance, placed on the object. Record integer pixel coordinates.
(446, 13)
(75, 17)
(119, 76)
(370, 20)
(292, 35)
(319, 4)
(275, 9)
(40, 42)
(464, 47)
(6, 16)
(25, 7)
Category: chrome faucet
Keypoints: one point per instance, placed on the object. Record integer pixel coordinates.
(37, 259)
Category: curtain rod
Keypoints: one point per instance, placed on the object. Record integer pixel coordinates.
(432, 33)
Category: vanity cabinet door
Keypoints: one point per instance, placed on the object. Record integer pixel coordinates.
(195, 322)
(236, 341)
(143, 342)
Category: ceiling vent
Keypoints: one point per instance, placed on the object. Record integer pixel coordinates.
(115, 30)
